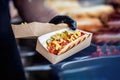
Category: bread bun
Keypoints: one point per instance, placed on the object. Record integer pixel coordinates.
(73, 43)
(89, 24)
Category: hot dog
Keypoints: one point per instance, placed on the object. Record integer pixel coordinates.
(59, 43)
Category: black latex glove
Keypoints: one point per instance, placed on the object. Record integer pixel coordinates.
(64, 19)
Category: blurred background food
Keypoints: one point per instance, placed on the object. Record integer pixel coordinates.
(101, 17)
(96, 16)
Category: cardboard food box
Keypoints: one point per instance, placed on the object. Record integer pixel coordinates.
(34, 29)
(41, 47)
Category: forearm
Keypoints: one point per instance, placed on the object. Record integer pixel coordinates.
(34, 10)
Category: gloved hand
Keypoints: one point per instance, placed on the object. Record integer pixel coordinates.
(64, 19)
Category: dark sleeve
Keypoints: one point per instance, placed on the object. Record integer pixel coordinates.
(34, 10)
(10, 61)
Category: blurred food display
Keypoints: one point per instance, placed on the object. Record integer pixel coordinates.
(99, 17)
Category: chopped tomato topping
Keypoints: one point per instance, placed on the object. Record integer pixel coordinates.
(82, 33)
(62, 43)
(67, 41)
(55, 52)
(52, 45)
(58, 40)
(52, 50)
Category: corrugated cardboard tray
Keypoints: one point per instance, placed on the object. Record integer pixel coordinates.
(41, 43)
(34, 29)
